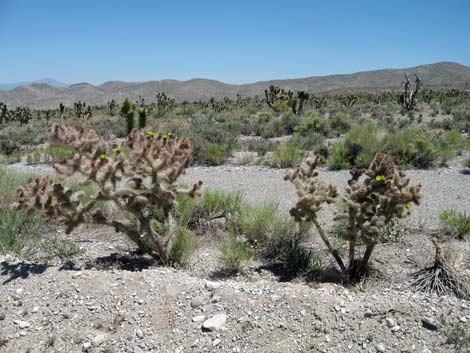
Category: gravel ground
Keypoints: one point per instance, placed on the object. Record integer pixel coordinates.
(443, 188)
(97, 302)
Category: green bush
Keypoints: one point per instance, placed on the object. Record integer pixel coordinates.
(413, 146)
(16, 228)
(59, 153)
(466, 162)
(358, 147)
(312, 123)
(340, 123)
(182, 247)
(455, 223)
(394, 231)
(215, 154)
(308, 142)
(233, 254)
(286, 155)
(218, 203)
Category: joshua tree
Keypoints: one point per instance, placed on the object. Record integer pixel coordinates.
(141, 185)
(111, 105)
(408, 97)
(127, 112)
(61, 109)
(80, 109)
(348, 100)
(299, 101)
(164, 103)
(142, 113)
(373, 197)
(22, 115)
(317, 102)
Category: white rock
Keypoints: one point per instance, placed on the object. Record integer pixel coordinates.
(215, 323)
(216, 342)
(211, 286)
(199, 318)
(86, 346)
(22, 324)
(98, 340)
(390, 322)
(35, 310)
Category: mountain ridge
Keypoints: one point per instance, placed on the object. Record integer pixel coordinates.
(43, 95)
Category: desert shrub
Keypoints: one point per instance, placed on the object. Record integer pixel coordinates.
(466, 162)
(15, 226)
(312, 123)
(182, 247)
(60, 248)
(455, 223)
(458, 335)
(137, 199)
(307, 142)
(286, 155)
(413, 146)
(234, 253)
(8, 146)
(215, 154)
(372, 202)
(213, 204)
(340, 123)
(59, 153)
(358, 146)
(284, 125)
(255, 222)
(393, 232)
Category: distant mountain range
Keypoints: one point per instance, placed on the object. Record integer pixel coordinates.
(48, 95)
(47, 80)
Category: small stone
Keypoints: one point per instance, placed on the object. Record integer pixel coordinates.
(390, 322)
(216, 342)
(199, 318)
(35, 310)
(139, 333)
(368, 313)
(212, 286)
(215, 323)
(76, 274)
(430, 323)
(395, 328)
(137, 349)
(215, 299)
(86, 346)
(98, 340)
(22, 324)
(380, 348)
(197, 301)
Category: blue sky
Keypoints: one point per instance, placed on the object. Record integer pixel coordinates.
(231, 41)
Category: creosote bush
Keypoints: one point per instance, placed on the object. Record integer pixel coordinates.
(455, 223)
(142, 185)
(374, 197)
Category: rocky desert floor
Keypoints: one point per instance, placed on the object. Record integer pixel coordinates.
(110, 300)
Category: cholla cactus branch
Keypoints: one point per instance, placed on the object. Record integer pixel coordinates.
(373, 196)
(136, 184)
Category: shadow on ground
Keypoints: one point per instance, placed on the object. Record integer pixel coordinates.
(132, 262)
(20, 270)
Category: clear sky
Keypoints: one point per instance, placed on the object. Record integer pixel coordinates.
(232, 41)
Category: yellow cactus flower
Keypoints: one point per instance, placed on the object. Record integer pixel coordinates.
(408, 206)
(150, 134)
(380, 178)
(102, 157)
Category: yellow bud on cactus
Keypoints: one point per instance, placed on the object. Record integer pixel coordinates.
(380, 178)
(408, 206)
(102, 157)
(150, 134)
(164, 137)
